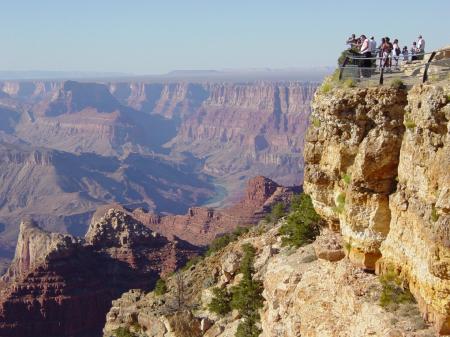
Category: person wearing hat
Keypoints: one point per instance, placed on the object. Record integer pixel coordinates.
(420, 47)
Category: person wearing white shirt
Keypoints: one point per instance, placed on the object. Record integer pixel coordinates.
(421, 47)
(366, 62)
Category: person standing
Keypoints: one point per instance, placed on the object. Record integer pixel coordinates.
(396, 52)
(421, 47)
(373, 45)
(366, 52)
(405, 54)
(414, 51)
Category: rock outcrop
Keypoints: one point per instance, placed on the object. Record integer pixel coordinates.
(418, 243)
(377, 164)
(303, 296)
(61, 286)
(202, 224)
(352, 156)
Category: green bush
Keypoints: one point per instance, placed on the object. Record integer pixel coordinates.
(448, 96)
(124, 332)
(221, 302)
(434, 215)
(340, 203)
(393, 293)
(326, 87)
(160, 287)
(248, 328)
(409, 123)
(192, 262)
(302, 224)
(224, 240)
(315, 122)
(278, 211)
(397, 84)
(346, 178)
(247, 295)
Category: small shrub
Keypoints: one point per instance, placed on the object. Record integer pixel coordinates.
(340, 203)
(348, 247)
(448, 98)
(434, 215)
(315, 122)
(221, 302)
(398, 84)
(192, 262)
(346, 178)
(247, 296)
(224, 240)
(160, 287)
(124, 332)
(326, 87)
(409, 123)
(393, 293)
(302, 224)
(278, 211)
(248, 328)
(349, 83)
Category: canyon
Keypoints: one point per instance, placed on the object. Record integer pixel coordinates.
(376, 170)
(62, 285)
(72, 147)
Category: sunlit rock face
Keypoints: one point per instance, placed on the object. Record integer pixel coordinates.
(377, 168)
(418, 243)
(351, 156)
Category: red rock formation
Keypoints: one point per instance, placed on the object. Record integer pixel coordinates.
(60, 286)
(201, 224)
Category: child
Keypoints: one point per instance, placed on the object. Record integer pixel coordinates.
(405, 54)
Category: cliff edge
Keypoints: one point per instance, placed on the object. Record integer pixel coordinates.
(377, 169)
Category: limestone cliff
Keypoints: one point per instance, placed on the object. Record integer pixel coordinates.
(377, 168)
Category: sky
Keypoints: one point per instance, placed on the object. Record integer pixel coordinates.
(154, 37)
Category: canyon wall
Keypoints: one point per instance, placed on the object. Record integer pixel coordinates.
(159, 146)
(377, 169)
(58, 285)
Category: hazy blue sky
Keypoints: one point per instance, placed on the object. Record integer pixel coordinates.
(157, 36)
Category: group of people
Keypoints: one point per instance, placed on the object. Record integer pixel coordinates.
(386, 52)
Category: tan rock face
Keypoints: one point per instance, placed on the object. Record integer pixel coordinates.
(387, 185)
(351, 156)
(418, 243)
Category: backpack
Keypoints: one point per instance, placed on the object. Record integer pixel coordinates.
(397, 51)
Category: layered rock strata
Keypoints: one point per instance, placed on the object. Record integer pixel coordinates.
(377, 167)
(418, 243)
(202, 224)
(58, 285)
(351, 152)
(303, 296)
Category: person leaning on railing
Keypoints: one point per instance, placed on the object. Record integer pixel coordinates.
(366, 51)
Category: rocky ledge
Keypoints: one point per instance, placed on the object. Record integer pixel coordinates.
(303, 296)
(377, 168)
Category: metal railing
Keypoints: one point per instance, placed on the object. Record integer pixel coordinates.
(352, 64)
